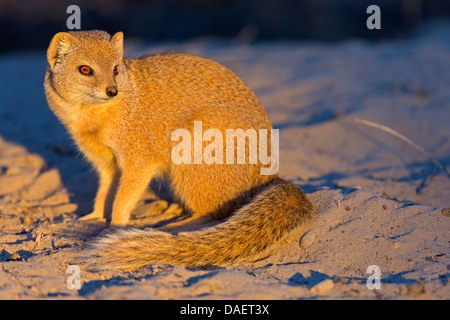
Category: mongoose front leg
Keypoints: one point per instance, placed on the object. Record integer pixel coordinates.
(132, 185)
(109, 178)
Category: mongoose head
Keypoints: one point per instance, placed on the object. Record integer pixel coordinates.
(86, 66)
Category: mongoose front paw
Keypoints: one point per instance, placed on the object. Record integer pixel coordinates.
(119, 222)
(92, 216)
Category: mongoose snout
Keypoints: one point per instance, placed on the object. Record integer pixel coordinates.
(111, 91)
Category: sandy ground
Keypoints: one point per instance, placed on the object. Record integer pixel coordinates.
(380, 201)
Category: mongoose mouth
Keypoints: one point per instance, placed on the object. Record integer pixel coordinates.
(100, 99)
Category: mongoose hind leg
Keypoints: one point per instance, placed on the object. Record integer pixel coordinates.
(187, 223)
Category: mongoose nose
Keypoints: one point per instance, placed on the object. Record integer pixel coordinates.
(111, 91)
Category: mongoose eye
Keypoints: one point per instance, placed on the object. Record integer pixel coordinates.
(116, 70)
(86, 70)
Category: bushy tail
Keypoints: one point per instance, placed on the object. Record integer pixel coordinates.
(251, 233)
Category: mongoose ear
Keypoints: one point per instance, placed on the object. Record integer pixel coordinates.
(117, 42)
(59, 46)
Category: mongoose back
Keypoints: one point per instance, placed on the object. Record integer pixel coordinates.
(122, 114)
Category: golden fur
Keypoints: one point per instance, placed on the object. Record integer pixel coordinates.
(127, 138)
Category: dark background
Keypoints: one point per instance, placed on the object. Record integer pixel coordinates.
(31, 24)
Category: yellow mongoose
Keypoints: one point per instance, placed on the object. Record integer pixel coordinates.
(122, 114)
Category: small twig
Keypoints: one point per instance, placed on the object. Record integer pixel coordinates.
(403, 138)
(426, 181)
